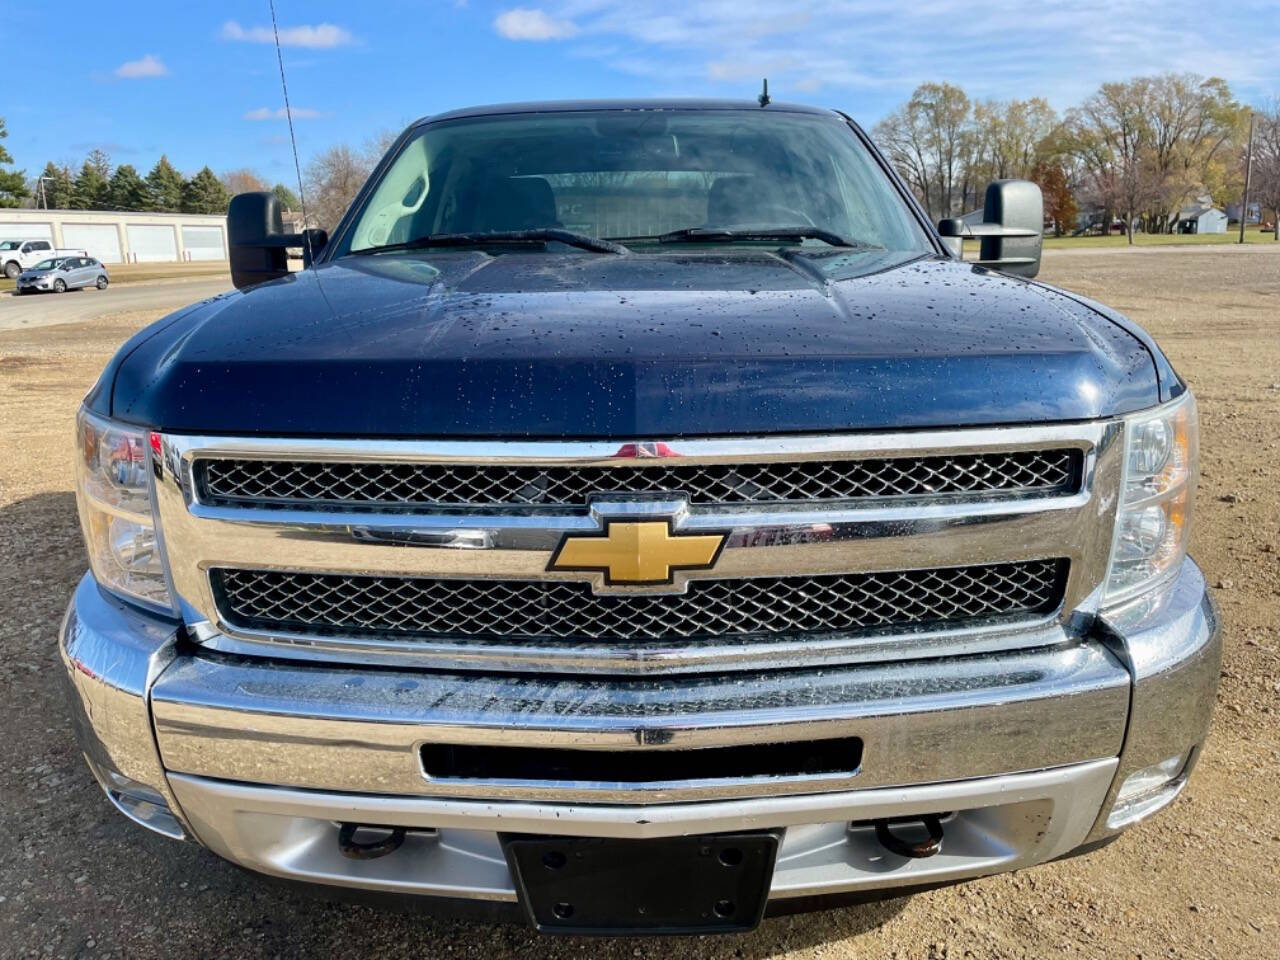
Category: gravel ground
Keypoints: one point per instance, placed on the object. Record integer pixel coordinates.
(1201, 880)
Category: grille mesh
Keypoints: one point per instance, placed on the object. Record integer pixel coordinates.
(299, 482)
(255, 599)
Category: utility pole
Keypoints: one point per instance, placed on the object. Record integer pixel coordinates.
(1248, 174)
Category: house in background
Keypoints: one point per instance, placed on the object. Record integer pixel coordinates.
(1255, 213)
(1199, 218)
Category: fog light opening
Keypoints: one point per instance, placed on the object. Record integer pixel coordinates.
(1148, 790)
(137, 801)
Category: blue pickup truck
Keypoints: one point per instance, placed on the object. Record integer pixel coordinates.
(636, 518)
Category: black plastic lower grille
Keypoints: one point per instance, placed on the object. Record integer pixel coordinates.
(446, 761)
(265, 600)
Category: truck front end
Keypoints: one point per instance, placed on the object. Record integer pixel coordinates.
(633, 676)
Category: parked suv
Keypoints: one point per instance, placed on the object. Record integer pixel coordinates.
(61, 274)
(638, 516)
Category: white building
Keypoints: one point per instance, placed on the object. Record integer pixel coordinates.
(117, 237)
(1200, 218)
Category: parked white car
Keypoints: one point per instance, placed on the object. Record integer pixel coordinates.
(18, 255)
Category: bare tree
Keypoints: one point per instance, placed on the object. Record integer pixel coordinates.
(930, 140)
(1111, 135)
(243, 180)
(377, 146)
(1017, 136)
(901, 136)
(1266, 163)
(333, 178)
(1192, 123)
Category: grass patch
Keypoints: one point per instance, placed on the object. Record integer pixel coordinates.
(1252, 235)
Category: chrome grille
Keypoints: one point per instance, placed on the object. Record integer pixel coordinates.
(254, 482)
(353, 605)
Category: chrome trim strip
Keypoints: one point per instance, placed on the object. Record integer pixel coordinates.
(835, 537)
(604, 453)
(326, 728)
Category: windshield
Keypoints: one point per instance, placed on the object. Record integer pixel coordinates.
(47, 264)
(10, 244)
(637, 175)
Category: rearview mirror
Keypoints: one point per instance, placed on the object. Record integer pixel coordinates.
(1011, 232)
(259, 246)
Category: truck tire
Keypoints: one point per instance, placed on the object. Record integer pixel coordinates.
(11, 269)
(59, 286)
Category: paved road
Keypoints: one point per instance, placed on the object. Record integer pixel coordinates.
(50, 308)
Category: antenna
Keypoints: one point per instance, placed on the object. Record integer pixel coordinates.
(293, 141)
(764, 94)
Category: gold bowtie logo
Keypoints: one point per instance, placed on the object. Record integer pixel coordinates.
(643, 552)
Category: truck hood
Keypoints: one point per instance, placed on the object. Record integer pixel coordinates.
(669, 344)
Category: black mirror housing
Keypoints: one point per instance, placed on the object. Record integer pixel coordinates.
(254, 232)
(259, 247)
(1017, 208)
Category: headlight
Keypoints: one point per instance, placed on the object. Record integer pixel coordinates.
(1153, 522)
(113, 492)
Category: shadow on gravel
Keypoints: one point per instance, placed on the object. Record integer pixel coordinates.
(78, 879)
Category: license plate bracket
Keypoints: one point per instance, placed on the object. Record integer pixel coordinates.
(666, 885)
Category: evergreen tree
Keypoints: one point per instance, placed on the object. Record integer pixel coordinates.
(13, 183)
(91, 191)
(164, 185)
(288, 200)
(100, 162)
(128, 191)
(204, 193)
(57, 186)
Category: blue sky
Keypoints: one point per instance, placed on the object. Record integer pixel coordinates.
(201, 83)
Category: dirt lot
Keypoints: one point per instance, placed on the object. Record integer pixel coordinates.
(1202, 880)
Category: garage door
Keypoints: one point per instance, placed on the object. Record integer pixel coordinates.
(148, 244)
(101, 240)
(203, 243)
(26, 231)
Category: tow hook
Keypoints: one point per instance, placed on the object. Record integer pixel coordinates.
(915, 851)
(372, 849)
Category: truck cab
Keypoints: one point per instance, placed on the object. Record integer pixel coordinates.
(637, 518)
(19, 255)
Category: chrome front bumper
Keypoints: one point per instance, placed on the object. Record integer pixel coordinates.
(260, 760)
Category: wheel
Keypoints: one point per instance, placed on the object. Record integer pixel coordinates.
(102, 282)
(59, 286)
(11, 270)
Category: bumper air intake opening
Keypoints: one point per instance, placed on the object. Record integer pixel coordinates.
(454, 762)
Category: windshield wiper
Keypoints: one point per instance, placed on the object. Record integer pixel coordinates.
(538, 235)
(731, 234)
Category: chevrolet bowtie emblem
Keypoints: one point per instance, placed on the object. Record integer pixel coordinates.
(637, 552)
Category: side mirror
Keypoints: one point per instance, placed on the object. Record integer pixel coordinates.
(1011, 232)
(259, 247)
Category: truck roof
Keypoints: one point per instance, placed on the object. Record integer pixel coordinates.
(670, 103)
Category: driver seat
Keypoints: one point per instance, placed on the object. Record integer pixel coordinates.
(736, 201)
(516, 203)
